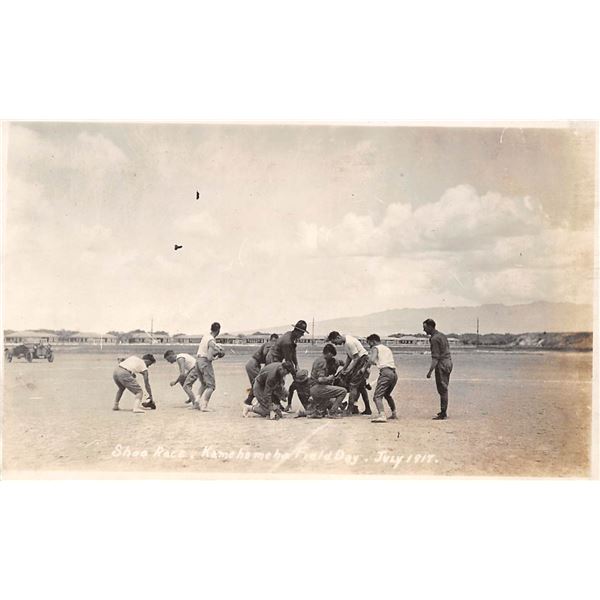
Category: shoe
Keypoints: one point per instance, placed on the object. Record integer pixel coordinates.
(334, 416)
(116, 406)
(188, 401)
(150, 404)
(440, 417)
(273, 416)
(194, 406)
(204, 406)
(393, 416)
(355, 410)
(288, 408)
(314, 416)
(379, 419)
(366, 412)
(139, 410)
(248, 401)
(245, 410)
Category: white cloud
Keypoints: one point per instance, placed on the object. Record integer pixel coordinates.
(464, 246)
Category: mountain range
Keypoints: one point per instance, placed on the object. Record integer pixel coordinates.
(493, 318)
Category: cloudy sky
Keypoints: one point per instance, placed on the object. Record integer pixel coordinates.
(292, 222)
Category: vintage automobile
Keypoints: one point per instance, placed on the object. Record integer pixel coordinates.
(29, 352)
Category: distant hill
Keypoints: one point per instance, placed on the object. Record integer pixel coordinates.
(493, 318)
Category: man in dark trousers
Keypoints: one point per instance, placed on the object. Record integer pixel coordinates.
(441, 363)
(285, 347)
(269, 390)
(357, 363)
(254, 364)
(327, 397)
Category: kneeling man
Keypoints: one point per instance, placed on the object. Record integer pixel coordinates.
(269, 390)
(327, 397)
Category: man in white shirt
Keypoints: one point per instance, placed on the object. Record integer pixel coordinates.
(357, 363)
(381, 356)
(208, 350)
(188, 373)
(124, 376)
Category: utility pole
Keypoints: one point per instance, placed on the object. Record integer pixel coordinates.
(152, 330)
(477, 342)
(312, 333)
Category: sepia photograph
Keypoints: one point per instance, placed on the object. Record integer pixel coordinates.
(300, 300)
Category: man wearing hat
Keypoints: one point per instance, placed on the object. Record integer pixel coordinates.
(285, 347)
(124, 376)
(269, 390)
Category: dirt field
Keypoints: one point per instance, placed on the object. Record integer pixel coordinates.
(511, 414)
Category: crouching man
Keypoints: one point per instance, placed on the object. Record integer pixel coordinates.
(124, 377)
(269, 390)
(381, 356)
(357, 363)
(188, 372)
(301, 386)
(327, 398)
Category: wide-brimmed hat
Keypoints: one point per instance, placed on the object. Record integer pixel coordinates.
(301, 326)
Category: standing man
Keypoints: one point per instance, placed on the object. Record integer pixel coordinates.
(327, 397)
(188, 373)
(441, 363)
(381, 356)
(124, 376)
(357, 363)
(208, 351)
(256, 360)
(285, 347)
(269, 390)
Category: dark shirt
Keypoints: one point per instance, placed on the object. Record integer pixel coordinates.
(322, 368)
(260, 356)
(271, 379)
(284, 348)
(302, 388)
(440, 349)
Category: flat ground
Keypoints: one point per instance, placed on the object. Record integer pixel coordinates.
(511, 414)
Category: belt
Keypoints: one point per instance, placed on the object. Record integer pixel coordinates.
(124, 369)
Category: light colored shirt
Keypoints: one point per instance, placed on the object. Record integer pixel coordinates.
(203, 347)
(134, 364)
(353, 346)
(385, 358)
(189, 361)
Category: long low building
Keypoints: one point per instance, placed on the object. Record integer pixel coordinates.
(30, 337)
(91, 337)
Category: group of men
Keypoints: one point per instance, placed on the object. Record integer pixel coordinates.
(331, 390)
(191, 369)
(323, 392)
